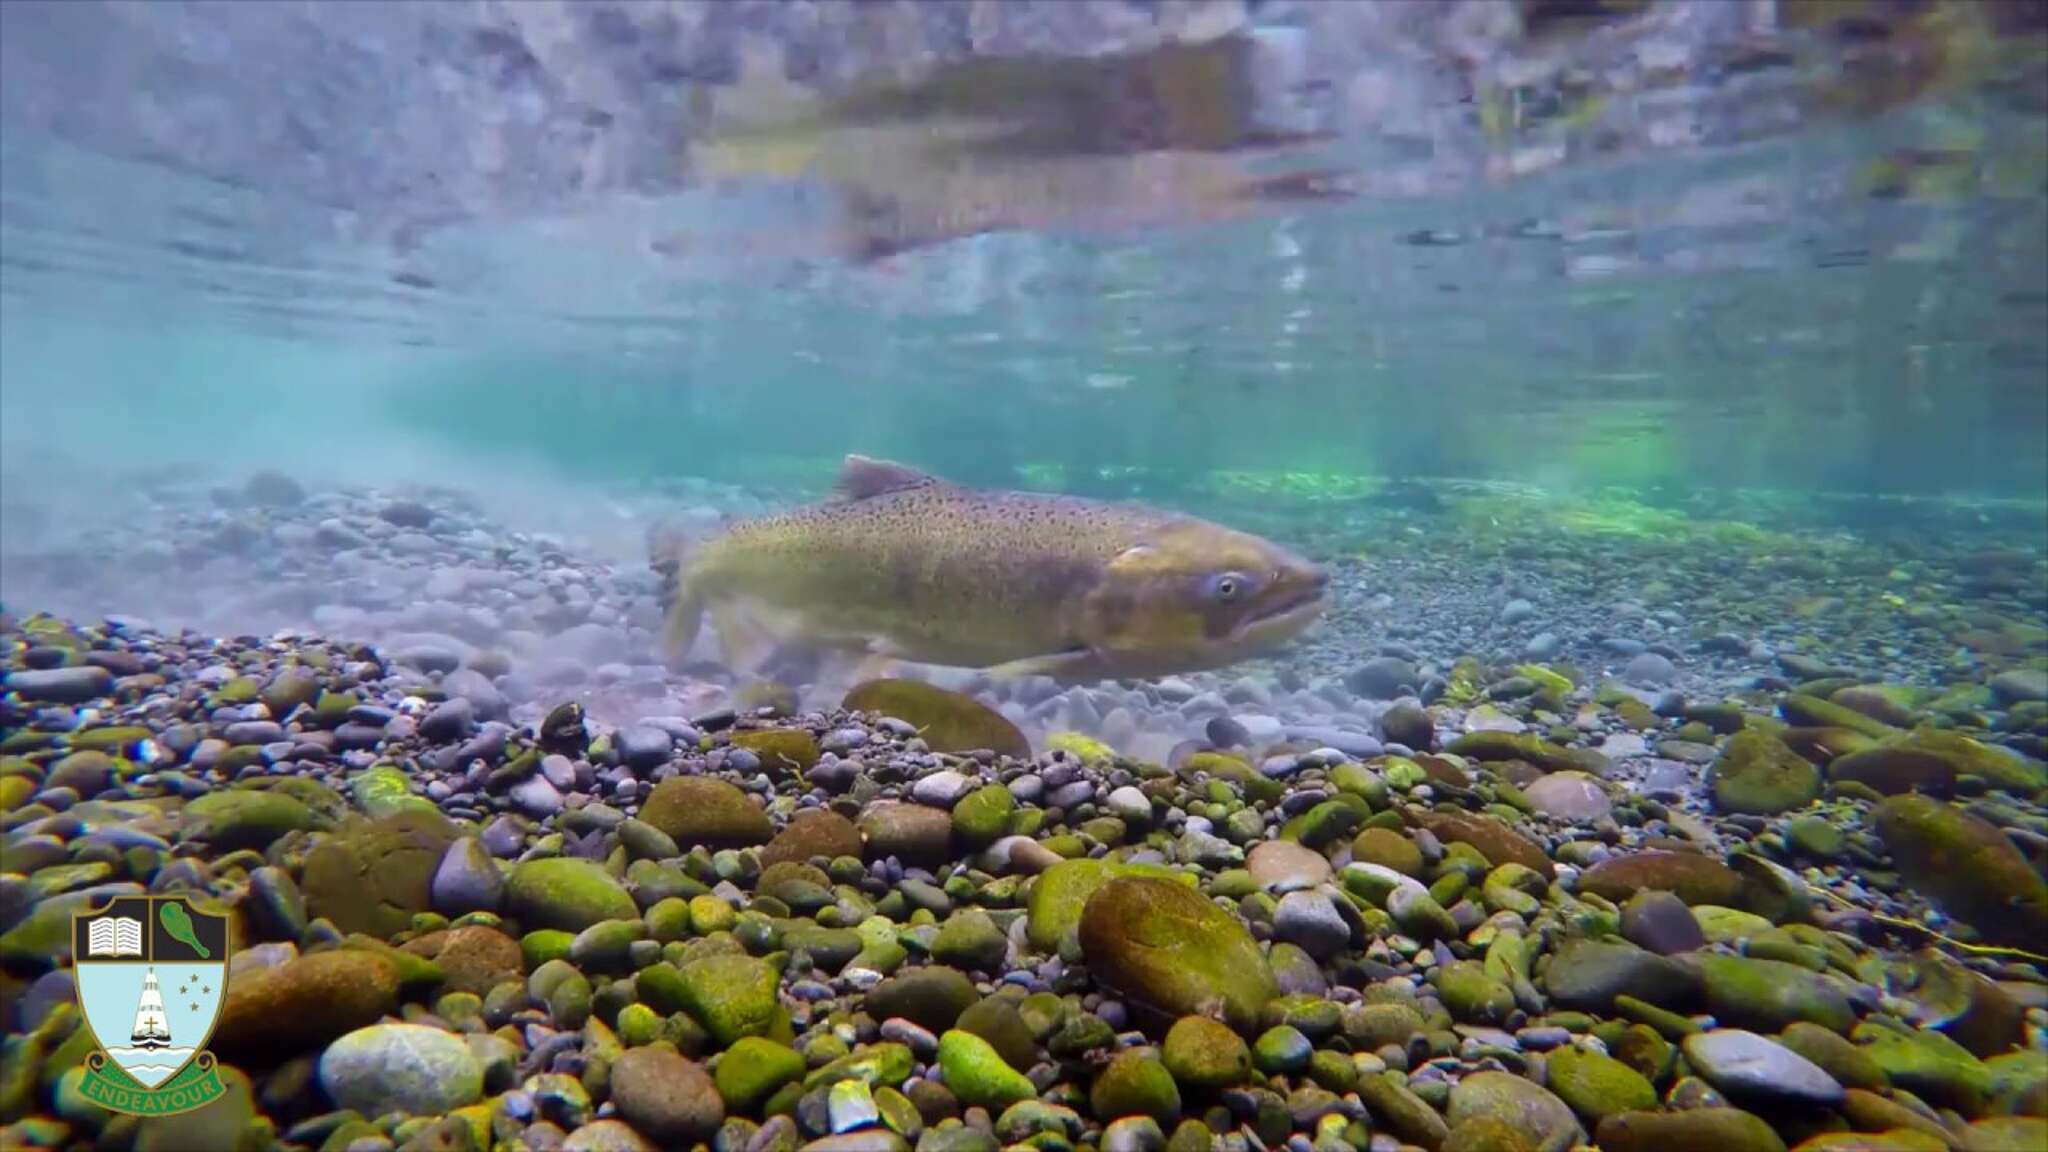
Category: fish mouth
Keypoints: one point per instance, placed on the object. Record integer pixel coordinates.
(1289, 609)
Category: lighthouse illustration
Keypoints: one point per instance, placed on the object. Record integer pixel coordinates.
(151, 973)
(151, 1029)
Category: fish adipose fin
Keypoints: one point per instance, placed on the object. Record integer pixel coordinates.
(862, 477)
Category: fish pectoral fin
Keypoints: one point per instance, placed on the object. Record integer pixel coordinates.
(744, 642)
(1072, 664)
(872, 666)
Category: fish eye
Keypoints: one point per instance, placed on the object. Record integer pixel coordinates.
(1227, 586)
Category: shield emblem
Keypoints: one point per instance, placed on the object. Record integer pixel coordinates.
(152, 973)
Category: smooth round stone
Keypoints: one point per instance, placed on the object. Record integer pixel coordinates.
(1572, 796)
(1285, 866)
(1650, 670)
(943, 789)
(1312, 923)
(1747, 1067)
(1660, 922)
(1129, 804)
(401, 1067)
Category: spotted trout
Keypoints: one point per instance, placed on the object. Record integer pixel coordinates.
(900, 565)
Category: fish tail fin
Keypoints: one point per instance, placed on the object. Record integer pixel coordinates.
(669, 554)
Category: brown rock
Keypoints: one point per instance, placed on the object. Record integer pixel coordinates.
(1496, 841)
(273, 1013)
(813, 832)
(474, 957)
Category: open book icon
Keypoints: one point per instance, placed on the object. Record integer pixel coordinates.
(114, 936)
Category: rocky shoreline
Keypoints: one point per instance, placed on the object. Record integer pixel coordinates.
(1663, 878)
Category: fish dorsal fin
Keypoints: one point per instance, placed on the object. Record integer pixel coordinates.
(861, 477)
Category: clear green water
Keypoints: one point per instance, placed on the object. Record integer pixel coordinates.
(1773, 314)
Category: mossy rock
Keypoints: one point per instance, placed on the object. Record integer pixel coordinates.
(1496, 841)
(1968, 867)
(977, 1074)
(1471, 996)
(1768, 995)
(789, 749)
(705, 811)
(1692, 1130)
(1587, 975)
(1388, 849)
(731, 995)
(1805, 711)
(754, 1069)
(948, 721)
(1893, 769)
(245, 818)
(1832, 1053)
(1928, 1064)
(1525, 1104)
(1822, 745)
(1967, 757)
(1494, 746)
(1167, 946)
(1759, 775)
(1060, 893)
(1135, 1084)
(1085, 749)
(381, 791)
(811, 833)
(1205, 1054)
(114, 738)
(376, 877)
(983, 815)
(1597, 1086)
(566, 894)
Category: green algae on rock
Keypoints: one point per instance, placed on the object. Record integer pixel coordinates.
(1968, 867)
(1167, 946)
(1061, 892)
(566, 894)
(703, 810)
(1597, 1086)
(1759, 775)
(1693, 1130)
(784, 749)
(1524, 1104)
(733, 996)
(247, 818)
(948, 721)
(375, 877)
(1205, 1053)
(977, 1074)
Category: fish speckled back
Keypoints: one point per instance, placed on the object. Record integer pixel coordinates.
(919, 561)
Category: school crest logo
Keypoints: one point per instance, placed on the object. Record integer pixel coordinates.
(152, 975)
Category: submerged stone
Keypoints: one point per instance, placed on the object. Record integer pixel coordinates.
(1168, 946)
(1759, 775)
(1969, 868)
(948, 721)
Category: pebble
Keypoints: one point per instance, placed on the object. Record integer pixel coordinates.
(1750, 1068)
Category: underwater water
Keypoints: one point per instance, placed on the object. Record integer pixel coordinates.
(1603, 702)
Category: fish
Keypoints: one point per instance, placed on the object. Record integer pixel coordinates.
(900, 565)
